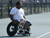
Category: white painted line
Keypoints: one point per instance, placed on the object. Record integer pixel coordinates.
(43, 35)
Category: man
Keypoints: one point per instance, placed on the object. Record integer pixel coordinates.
(16, 14)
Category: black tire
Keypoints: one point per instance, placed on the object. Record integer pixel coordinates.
(13, 32)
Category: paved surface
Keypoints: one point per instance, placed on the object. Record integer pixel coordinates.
(40, 26)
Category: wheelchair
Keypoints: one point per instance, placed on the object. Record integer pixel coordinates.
(12, 29)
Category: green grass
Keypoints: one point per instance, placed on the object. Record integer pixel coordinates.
(7, 7)
(25, 9)
(36, 9)
(4, 14)
(0, 13)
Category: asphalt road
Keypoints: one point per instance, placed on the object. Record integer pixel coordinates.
(40, 26)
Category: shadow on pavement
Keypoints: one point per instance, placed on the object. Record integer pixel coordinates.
(12, 36)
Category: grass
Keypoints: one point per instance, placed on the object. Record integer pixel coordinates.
(36, 9)
(4, 14)
(0, 13)
(7, 7)
(25, 9)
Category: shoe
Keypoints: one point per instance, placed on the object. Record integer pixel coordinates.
(21, 32)
(27, 32)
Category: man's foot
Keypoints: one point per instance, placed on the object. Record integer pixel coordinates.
(21, 32)
(27, 32)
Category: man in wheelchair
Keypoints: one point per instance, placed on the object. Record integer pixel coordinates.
(18, 17)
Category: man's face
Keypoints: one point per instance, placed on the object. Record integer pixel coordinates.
(19, 5)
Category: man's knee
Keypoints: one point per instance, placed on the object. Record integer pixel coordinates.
(27, 23)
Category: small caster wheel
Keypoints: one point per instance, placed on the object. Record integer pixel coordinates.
(22, 35)
(29, 35)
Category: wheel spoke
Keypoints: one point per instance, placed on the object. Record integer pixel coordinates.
(12, 28)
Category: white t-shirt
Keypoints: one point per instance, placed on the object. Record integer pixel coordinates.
(17, 13)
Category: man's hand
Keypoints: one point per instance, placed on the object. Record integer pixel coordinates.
(24, 17)
(14, 22)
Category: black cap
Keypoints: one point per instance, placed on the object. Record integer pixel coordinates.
(18, 2)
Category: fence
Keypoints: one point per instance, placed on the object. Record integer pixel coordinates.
(29, 7)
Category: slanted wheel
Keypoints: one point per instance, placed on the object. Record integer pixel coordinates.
(11, 29)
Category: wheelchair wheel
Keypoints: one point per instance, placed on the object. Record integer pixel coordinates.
(11, 29)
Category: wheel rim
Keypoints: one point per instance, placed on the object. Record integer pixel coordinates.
(12, 28)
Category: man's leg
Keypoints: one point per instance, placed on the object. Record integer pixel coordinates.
(17, 24)
(27, 24)
(25, 27)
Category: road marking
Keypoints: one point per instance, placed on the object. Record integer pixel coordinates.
(43, 35)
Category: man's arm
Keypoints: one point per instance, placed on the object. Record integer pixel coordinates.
(24, 17)
(11, 17)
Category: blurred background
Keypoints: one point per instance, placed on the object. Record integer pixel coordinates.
(30, 6)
